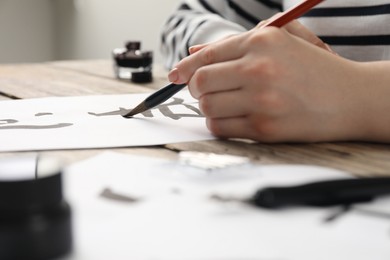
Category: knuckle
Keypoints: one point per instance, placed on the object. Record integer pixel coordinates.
(208, 55)
(199, 80)
(205, 106)
(213, 127)
(265, 37)
(269, 100)
(265, 129)
(193, 91)
(255, 39)
(274, 34)
(263, 69)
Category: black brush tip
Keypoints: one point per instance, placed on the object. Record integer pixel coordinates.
(138, 109)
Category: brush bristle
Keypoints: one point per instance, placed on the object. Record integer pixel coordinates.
(138, 109)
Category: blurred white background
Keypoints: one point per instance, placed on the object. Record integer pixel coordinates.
(45, 30)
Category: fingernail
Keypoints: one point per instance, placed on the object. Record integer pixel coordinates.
(191, 49)
(173, 75)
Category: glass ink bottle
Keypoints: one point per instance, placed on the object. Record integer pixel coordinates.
(131, 63)
(35, 220)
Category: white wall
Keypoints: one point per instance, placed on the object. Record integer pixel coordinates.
(92, 28)
(40, 30)
(26, 30)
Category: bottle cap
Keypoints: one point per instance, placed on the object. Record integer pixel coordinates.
(133, 45)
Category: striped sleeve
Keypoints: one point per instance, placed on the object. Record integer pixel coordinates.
(357, 30)
(202, 21)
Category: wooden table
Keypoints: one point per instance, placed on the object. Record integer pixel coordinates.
(74, 78)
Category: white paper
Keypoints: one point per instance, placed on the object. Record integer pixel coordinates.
(96, 122)
(175, 219)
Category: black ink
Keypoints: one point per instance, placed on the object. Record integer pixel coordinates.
(119, 112)
(6, 124)
(107, 193)
(344, 210)
(8, 121)
(44, 114)
(60, 125)
(338, 213)
(163, 108)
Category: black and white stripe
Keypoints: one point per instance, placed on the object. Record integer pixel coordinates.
(365, 15)
(356, 29)
(359, 30)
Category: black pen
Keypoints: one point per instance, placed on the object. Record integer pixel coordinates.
(156, 98)
(323, 193)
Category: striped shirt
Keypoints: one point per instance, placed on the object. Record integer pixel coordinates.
(355, 29)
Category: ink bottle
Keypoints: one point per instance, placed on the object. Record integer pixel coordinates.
(35, 220)
(132, 64)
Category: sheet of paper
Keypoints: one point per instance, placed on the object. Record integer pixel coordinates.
(129, 207)
(96, 122)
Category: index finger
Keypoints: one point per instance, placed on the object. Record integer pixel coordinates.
(220, 51)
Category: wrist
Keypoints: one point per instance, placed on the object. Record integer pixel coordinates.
(371, 101)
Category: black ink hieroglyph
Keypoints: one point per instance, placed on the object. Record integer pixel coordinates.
(12, 124)
(8, 123)
(163, 108)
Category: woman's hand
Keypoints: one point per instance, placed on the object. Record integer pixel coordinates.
(269, 85)
(272, 86)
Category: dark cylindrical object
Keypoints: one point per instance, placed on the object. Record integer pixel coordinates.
(132, 64)
(35, 220)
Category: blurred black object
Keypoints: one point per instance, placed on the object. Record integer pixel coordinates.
(131, 63)
(35, 220)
